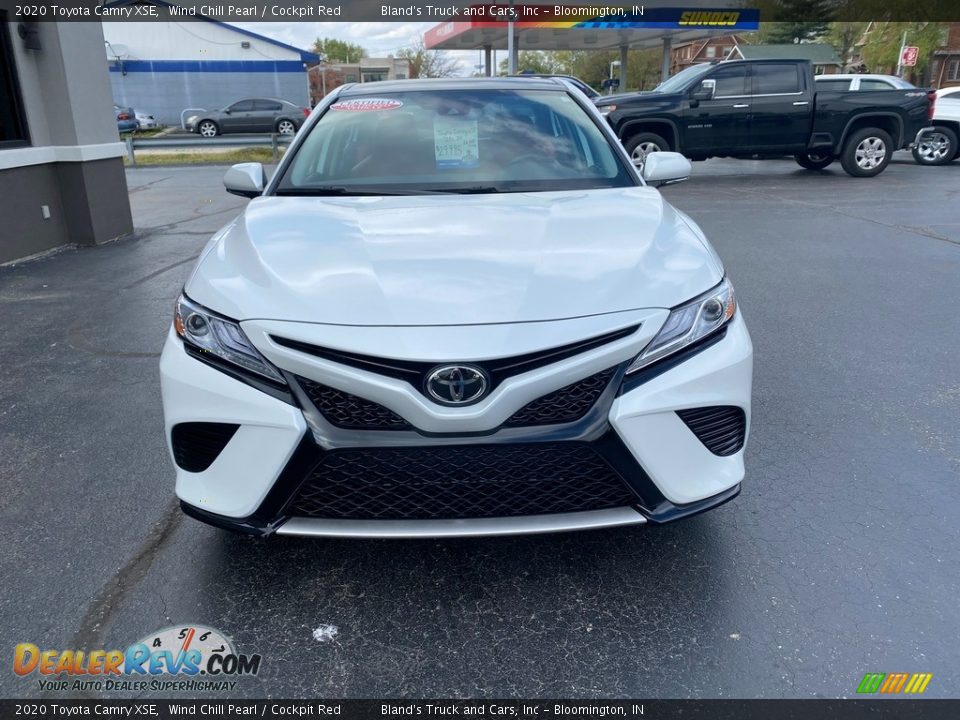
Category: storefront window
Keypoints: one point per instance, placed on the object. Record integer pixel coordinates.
(12, 129)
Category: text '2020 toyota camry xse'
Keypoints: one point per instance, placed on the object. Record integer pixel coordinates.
(456, 308)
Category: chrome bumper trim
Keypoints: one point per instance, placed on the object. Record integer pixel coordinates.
(923, 131)
(477, 527)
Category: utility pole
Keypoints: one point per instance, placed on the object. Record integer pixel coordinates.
(903, 44)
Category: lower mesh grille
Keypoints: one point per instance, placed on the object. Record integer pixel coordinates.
(197, 444)
(349, 411)
(564, 405)
(468, 481)
(722, 429)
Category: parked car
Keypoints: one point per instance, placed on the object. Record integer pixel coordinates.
(430, 324)
(854, 83)
(251, 115)
(145, 121)
(577, 82)
(126, 119)
(941, 146)
(749, 108)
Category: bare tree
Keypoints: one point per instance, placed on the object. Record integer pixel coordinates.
(426, 63)
(843, 36)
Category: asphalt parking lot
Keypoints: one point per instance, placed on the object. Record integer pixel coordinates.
(840, 557)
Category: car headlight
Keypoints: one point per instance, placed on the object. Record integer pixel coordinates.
(607, 109)
(690, 322)
(220, 337)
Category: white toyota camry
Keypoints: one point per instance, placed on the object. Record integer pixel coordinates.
(456, 309)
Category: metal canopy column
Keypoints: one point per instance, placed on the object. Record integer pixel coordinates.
(487, 61)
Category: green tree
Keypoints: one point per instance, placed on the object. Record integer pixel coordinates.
(428, 63)
(593, 67)
(881, 48)
(333, 50)
(644, 68)
(799, 20)
(533, 61)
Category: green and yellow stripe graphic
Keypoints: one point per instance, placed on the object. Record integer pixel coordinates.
(894, 683)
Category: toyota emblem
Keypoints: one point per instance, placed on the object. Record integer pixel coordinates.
(456, 384)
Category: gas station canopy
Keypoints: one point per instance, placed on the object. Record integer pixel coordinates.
(646, 29)
(625, 27)
(474, 35)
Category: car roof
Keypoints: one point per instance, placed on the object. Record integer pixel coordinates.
(261, 97)
(482, 83)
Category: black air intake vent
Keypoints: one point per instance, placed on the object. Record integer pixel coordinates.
(722, 429)
(349, 411)
(467, 481)
(197, 444)
(565, 405)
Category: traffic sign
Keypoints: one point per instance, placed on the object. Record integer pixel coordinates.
(909, 55)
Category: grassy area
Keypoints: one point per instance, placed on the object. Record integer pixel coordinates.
(142, 133)
(149, 133)
(204, 157)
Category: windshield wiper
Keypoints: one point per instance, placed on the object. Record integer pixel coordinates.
(330, 190)
(472, 190)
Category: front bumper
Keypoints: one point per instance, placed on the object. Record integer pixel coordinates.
(287, 470)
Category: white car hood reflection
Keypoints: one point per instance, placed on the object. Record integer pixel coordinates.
(454, 259)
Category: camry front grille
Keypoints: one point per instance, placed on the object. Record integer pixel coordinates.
(416, 373)
(349, 411)
(466, 481)
(567, 404)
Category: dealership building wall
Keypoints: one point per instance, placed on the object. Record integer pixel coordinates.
(164, 68)
(62, 179)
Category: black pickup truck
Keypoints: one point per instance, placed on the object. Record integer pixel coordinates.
(768, 108)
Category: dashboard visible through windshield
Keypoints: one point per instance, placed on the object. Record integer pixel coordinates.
(454, 140)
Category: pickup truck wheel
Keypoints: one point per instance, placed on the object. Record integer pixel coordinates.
(867, 152)
(936, 148)
(639, 145)
(813, 161)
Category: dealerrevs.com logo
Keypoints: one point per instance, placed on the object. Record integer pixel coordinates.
(187, 658)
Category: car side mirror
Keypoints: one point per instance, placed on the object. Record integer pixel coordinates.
(665, 168)
(245, 180)
(705, 91)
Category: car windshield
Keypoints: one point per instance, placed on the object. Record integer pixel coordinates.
(454, 140)
(679, 81)
(901, 83)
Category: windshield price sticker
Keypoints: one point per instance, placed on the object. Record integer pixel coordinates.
(455, 142)
(367, 105)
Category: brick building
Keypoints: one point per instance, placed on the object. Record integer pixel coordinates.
(700, 51)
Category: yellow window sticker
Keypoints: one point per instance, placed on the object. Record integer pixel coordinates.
(455, 142)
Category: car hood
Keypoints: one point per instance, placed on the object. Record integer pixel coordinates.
(623, 98)
(453, 259)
